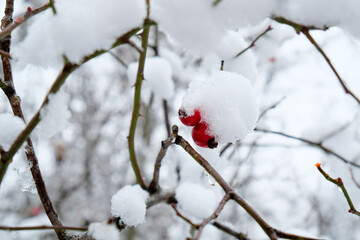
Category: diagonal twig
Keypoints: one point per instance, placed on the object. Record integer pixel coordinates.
(341, 81)
(311, 143)
(20, 20)
(338, 182)
(267, 228)
(154, 184)
(213, 216)
(252, 44)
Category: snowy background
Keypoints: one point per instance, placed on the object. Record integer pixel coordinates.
(81, 142)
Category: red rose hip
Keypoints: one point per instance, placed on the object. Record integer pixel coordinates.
(191, 120)
(201, 136)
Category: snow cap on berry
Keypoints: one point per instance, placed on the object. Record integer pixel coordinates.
(227, 102)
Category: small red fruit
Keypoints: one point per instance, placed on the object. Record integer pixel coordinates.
(201, 136)
(191, 120)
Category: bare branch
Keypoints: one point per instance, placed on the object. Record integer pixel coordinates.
(20, 20)
(154, 184)
(316, 45)
(213, 216)
(43, 227)
(267, 228)
(311, 143)
(338, 182)
(238, 235)
(252, 44)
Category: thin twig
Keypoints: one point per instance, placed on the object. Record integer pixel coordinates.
(338, 182)
(43, 227)
(131, 43)
(298, 27)
(65, 72)
(316, 45)
(267, 228)
(166, 115)
(136, 106)
(311, 143)
(20, 20)
(213, 216)
(154, 184)
(173, 205)
(353, 178)
(238, 235)
(272, 106)
(9, 90)
(252, 44)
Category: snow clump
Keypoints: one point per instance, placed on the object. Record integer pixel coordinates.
(78, 29)
(103, 231)
(129, 203)
(196, 200)
(10, 127)
(228, 105)
(157, 75)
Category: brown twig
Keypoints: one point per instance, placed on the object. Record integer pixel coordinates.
(43, 227)
(68, 68)
(237, 235)
(6, 157)
(311, 143)
(213, 216)
(353, 178)
(154, 184)
(166, 115)
(20, 20)
(338, 182)
(252, 44)
(341, 81)
(298, 27)
(267, 228)
(173, 205)
(14, 100)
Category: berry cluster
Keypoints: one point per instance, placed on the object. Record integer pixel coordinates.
(200, 132)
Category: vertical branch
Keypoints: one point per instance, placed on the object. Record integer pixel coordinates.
(136, 107)
(221, 206)
(17, 110)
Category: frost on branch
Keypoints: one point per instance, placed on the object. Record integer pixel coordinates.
(228, 105)
(157, 75)
(129, 203)
(10, 127)
(103, 231)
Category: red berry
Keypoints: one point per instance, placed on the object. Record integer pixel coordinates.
(201, 136)
(191, 120)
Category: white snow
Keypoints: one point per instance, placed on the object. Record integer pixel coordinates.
(54, 115)
(157, 76)
(103, 231)
(196, 200)
(78, 29)
(227, 103)
(129, 203)
(190, 23)
(230, 45)
(10, 127)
